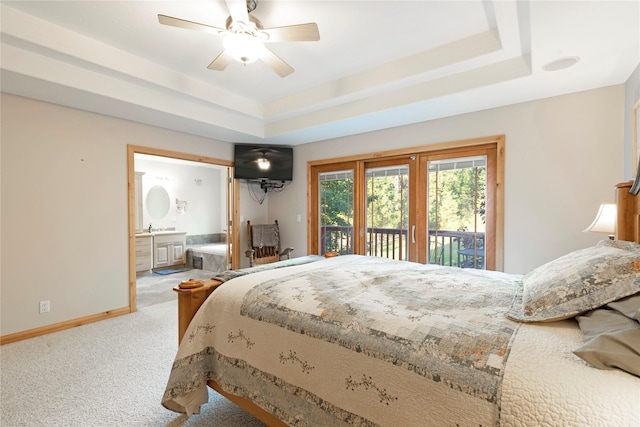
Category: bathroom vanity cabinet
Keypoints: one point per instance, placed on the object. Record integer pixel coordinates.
(169, 249)
(144, 244)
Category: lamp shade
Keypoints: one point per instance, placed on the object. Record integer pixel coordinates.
(605, 221)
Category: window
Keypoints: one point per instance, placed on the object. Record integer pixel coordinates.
(435, 204)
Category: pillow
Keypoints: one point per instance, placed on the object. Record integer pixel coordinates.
(604, 321)
(578, 282)
(612, 341)
(629, 306)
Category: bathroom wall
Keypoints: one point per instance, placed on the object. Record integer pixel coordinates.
(201, 186)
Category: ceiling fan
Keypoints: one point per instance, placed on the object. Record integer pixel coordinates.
(244, 37)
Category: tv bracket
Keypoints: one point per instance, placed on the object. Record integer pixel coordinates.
(267, 186)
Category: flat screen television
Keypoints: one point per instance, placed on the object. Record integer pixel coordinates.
(263, 162)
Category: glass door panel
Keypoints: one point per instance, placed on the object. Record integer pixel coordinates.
(456, 211)
(387, 212)
(336, 212)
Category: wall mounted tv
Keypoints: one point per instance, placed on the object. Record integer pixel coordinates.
(263, 162)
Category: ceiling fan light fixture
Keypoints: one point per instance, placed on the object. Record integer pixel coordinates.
(244, 37)
(243, 47)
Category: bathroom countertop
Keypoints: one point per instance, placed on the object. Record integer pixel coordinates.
(160, 233)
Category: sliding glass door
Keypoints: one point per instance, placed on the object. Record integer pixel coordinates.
(336, 211)
(387, 209)
(456, 209)
(440, 206)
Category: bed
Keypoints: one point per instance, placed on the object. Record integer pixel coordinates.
(354, 340)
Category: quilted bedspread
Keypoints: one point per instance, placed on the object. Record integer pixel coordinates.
(368, 341)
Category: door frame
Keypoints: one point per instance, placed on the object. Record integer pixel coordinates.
(233, 184)
(409, 159)
(495, 207)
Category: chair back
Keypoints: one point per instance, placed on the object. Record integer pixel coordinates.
(264, 243)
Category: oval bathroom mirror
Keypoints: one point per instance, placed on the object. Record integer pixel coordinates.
(158, 202)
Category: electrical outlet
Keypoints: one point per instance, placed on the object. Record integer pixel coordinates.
(45, 306)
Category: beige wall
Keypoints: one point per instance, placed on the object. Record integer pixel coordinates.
(64, 209)
(563, 156)
(64, 191)
(251, 210)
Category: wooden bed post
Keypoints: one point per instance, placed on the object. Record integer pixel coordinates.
(191, 295)
(628, 221)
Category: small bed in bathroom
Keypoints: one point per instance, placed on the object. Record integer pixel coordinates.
(208, 256)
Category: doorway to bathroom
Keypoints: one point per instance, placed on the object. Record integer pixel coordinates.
(176, 201)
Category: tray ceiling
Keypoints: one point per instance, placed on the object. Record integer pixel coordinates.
(378, 64)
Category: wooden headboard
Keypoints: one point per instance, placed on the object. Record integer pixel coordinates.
(628, 225)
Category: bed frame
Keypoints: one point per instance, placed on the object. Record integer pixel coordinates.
(192, 294)
(628, 224)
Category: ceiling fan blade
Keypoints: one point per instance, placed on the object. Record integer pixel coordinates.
(294, 33)
(221, 61)
(238, 10)
(276, 63)
(189, 25)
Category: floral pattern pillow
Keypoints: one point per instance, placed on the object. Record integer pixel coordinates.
(577, 282)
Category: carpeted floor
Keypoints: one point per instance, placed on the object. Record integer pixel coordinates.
(108, 373)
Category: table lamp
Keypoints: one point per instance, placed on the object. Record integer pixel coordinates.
(605, 221)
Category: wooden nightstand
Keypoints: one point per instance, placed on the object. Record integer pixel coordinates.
(191, 295)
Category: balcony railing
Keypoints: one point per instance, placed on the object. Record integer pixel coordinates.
(452, 248)
(336, 238)
(457, 248)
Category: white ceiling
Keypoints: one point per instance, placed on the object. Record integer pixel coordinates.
(378, 64)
